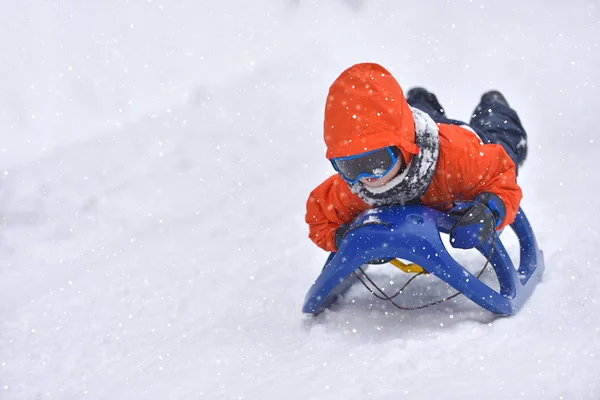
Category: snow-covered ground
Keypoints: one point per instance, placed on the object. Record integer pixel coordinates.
(156, 158)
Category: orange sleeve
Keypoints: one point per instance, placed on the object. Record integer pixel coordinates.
(487, 168)
(330, 205)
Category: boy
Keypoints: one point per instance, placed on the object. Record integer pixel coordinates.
(387, 149)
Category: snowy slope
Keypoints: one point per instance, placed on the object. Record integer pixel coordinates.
(156, 161)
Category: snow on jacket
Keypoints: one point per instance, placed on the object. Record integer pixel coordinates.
(366, 110)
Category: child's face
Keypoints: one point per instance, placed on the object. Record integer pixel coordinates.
(378, 182)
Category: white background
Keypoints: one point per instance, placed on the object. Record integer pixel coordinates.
(155, 161)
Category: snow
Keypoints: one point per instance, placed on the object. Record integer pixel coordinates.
(156, 161)
(371, 217)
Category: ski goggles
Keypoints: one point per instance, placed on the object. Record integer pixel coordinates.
(372, 164)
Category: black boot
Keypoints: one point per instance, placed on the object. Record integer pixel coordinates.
(419, 97)
(494, 96)
(496, 122)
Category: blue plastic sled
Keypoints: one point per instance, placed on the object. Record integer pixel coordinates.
(413, 233)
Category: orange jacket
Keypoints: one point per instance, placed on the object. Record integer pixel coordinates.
(366, 110)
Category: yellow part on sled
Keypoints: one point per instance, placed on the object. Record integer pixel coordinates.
(408, 268)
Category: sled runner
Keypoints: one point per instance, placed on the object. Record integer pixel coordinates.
(413, 233)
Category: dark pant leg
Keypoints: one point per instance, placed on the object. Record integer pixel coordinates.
(428, 103)
(495, 122)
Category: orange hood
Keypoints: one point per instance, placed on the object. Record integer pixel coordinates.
(366, 110)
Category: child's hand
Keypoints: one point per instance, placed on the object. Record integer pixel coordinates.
(477, 221)
(474, 227)
(339, 234)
